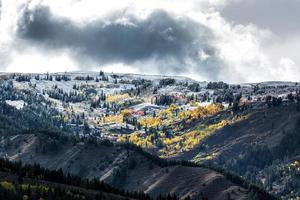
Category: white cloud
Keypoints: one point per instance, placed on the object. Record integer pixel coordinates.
(287, 65)
(248, 52)
(36, 63)
(119, 68)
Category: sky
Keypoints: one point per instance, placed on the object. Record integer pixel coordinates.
(212, 40)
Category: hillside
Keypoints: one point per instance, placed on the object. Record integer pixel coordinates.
(116, 164)
(18, 181)
(83, 122)
(121, 167)
(263, 147)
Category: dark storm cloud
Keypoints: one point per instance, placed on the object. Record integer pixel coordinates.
(280, 16)
(122, 38)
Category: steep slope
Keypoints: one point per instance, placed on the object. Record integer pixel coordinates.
(264, 126)
(186, 181)
(122, 167)
(263, 148)
(19, 181)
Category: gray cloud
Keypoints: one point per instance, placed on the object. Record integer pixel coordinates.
(280, 16)
(174, 42)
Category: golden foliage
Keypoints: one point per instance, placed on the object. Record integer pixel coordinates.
(201, 111)
(126, 113)
(172, 146)
(117, 97)
(169, 112)
(144, 142)
(118, 119)
(150, 122)
(189, 140)
(214, 108)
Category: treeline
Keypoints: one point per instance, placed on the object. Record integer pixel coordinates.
(167, 81)
(38, 173)
(37, 113)
(273, 101)
(34, 191)
(13, 121)
(217, 85)
(67, 97)
(164, 100)
(63, 77)
(23, 78)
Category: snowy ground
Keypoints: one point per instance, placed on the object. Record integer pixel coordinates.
(18, 104)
